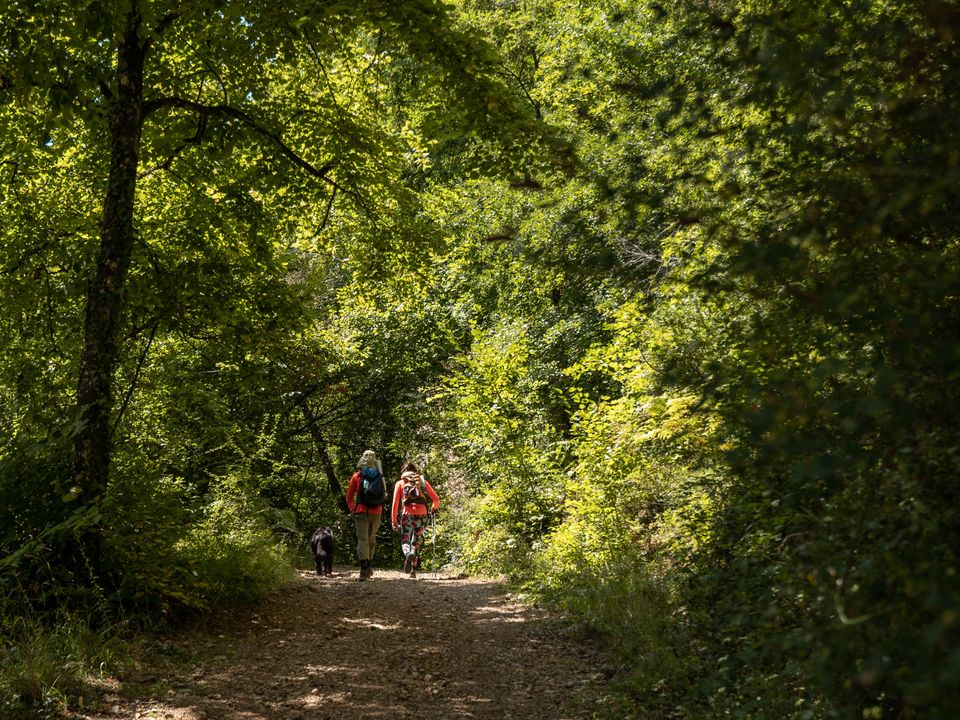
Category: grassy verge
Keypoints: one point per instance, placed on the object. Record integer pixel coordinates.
(50, 664)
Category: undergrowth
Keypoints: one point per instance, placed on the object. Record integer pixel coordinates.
(62, 644)
(49, 663)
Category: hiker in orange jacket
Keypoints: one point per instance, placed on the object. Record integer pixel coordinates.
(365, 497)
(414, 493)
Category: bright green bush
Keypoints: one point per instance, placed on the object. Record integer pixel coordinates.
(635, 608)
(486, 541)
(181, 551)
(635, 510)
(230, 551)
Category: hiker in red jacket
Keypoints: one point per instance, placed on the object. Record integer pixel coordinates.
(365, 497)
(414, 493)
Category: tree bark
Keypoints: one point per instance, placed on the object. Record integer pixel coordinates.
(105, 293)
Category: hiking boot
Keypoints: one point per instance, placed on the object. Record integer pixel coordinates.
(413, 573)
(408, 564)
(364, 570)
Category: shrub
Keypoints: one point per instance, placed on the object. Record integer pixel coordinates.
(178, 551)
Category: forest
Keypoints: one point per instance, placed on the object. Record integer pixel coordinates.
(665, 294)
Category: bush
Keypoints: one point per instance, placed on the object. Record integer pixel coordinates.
(231, 554)
(182, 552)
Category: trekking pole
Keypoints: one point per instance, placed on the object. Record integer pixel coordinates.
(433, 518)
(433, 521)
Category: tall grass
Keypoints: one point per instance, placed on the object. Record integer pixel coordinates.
(49, 664)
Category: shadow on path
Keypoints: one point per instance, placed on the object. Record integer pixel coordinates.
(393, 647)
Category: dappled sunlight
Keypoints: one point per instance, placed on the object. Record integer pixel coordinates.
(371, 623)
(390, 648)
(499, 614)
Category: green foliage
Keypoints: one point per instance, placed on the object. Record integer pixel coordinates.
(503, 438)
(231, 552)
(668, 293)
(174, 550)
(765, 399)
(49, 664)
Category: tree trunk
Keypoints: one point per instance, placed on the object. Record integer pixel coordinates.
(324, 457)
(105, 294)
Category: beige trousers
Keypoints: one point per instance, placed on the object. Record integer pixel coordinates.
(367, 526)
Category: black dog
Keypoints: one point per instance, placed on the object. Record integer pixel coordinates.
(322, 545)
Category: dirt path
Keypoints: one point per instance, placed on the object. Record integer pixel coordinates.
(393, 647)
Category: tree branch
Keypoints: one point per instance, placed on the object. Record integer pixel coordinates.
(165, 22)
(321, 447)
(228, 111)
(195, 140)
(326, 77)
(136, 376)
(326, 215)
